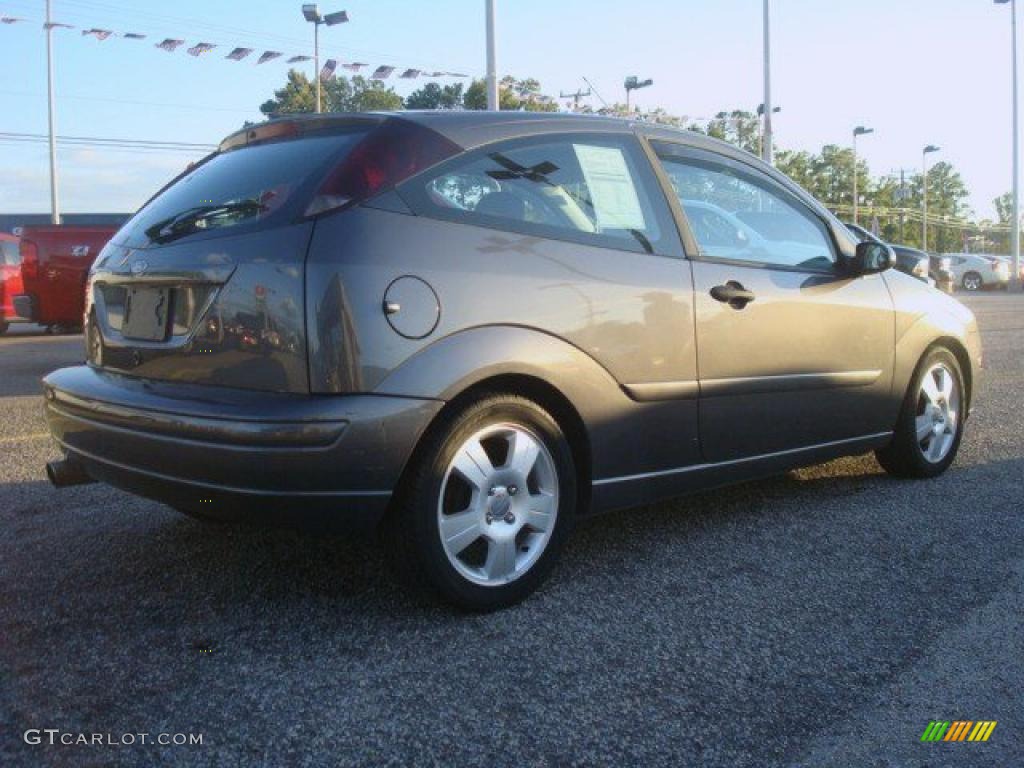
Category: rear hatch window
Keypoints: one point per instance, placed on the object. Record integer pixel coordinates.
(239, 190)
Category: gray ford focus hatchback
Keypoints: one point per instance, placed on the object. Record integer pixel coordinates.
(467, 330)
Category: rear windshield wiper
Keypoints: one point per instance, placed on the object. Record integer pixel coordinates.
(194, 219)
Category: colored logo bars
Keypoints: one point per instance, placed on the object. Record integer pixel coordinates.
(958, 730)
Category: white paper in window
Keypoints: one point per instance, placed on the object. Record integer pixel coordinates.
(616, 204)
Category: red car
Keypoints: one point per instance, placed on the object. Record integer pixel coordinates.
(10, 278)
(55, 263)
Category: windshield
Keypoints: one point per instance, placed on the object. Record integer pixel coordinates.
(240, 187)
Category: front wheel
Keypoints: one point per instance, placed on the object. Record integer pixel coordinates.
(484, 515)
(972, 282)
(931, 422)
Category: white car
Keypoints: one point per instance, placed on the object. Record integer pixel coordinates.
(975, 271)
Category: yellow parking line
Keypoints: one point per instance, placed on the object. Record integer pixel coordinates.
(20, 438)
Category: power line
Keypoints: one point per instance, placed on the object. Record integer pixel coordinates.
(134, 102)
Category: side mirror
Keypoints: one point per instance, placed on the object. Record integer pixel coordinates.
(872, 257)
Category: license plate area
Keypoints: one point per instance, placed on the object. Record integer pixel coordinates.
(147, 314)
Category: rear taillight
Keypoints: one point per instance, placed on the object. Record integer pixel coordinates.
(29, 259)
(388, 155)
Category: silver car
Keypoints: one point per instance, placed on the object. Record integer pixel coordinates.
(976, 271)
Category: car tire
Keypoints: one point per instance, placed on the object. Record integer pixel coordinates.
(931, 421)
(3, 327)
(972, 282)
(485, 510)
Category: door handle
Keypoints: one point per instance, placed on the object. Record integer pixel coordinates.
(733, 294)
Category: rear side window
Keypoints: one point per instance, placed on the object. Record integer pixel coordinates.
(597, 191)
(242, 187)
(10, 254)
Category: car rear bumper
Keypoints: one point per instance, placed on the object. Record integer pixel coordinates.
(221, 450)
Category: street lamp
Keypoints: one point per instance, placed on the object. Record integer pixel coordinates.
(54, 196)
(312, 14)
(760, 126)
(766, 146)
(634, 83)
(1015, 227)
(860, 130)
(924, 194)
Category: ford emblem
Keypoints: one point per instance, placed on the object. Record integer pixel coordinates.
(139, 267)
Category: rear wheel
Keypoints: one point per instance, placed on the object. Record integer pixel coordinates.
(972, 282)
(930, 425)
(484, 515)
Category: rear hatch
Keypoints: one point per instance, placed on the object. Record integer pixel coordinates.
(205, 284)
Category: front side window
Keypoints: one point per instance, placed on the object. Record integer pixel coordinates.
(593, 190)
(738, 217)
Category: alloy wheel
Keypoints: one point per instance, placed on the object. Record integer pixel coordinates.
(498, 504)
(938, 413)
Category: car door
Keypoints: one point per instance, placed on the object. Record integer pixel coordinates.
(791, 352)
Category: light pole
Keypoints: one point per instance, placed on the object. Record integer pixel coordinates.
(1015, 226)
(54, 200)
(766, 144)
(760, 127)
(860, 130)
(312, 14)
(493, 102)
(634, 83)
(924, 194)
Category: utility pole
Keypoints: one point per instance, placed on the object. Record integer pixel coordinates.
(924, 195)
(492, 61)
(860, 130)
(54, 198)
(768, 138)
(1015, 280)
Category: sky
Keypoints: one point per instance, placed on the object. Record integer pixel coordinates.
(916, 71)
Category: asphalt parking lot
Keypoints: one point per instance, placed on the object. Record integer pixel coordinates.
(822, 618)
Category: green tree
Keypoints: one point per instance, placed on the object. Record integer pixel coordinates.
(1004, 207)
(737, 127)
(513, 94)
(338, 95)
(435, 96)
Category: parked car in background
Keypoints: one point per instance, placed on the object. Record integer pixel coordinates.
(941, 272)
(978, 271)
(473, 328)
(55, 262)
(10, 278)
(908, 260)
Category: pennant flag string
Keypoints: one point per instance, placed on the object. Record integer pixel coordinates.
(171, 45)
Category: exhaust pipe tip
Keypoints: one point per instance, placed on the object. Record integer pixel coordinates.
(64, 473)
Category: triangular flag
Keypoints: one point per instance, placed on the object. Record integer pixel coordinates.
(169, 44)
(411, 74)
(10, 19)
(200, 48)
(55, 25)
(382, 73)
(239, 53)
(99, 34)
(354, 66)
(134, 36)
(327, 72)
(268, 56)
(297, 59)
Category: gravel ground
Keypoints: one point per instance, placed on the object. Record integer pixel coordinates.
(821, 618)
